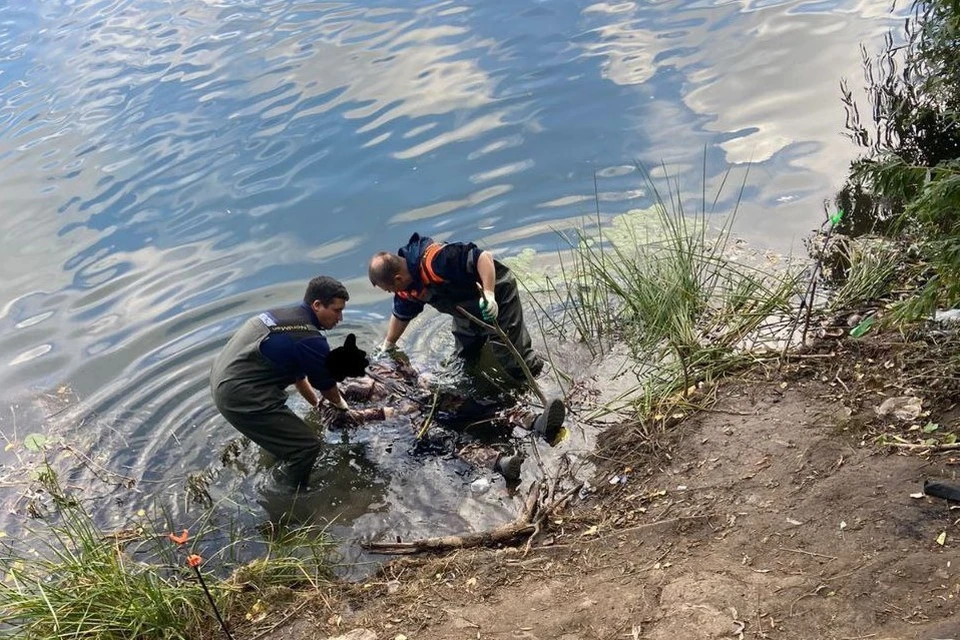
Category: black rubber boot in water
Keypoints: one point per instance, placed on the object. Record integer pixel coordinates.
(548, 424)
(509, 466)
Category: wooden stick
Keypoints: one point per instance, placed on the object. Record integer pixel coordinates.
(530, 506)
(501, 534)
(932, 447)
(806, 304)
(809, 553)
(495, 327)
(504, 533)
(429, 419)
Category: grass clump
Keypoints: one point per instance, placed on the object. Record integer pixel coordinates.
(68, 578)
(858, 272)
(668, 289)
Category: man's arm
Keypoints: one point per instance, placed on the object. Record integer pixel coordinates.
(486, 271)
(306, 390)
(313, 353)
(332, 394)
(395, 329)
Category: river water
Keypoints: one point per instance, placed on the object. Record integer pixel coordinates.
(170, 167)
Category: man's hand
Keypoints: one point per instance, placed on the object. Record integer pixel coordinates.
(488, 306)
(335, 418)
(342, 405)
(387, 346)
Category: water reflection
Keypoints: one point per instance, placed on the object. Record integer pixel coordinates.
(170, 168)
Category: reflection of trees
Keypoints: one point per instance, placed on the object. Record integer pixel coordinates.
(344, 485)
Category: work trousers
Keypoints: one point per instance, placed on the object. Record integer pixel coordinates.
(282, 433)
(470, 337)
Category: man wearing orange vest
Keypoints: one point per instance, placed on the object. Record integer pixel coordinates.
(451, 275)
(458, 275)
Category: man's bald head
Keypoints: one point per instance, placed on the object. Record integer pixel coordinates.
(388, 271)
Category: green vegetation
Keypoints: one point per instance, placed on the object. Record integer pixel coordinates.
(663, 283)
(68, 578)
(906, 185)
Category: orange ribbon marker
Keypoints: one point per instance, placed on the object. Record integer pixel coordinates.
(179, 539)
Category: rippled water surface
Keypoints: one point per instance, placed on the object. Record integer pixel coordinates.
(168, 168)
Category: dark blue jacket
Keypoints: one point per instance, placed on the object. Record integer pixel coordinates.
(299, 354)
(444, 275)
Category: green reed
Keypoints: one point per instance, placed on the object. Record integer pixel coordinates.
(668, 289)
(70, 578)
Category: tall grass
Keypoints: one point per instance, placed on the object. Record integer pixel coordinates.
(70, 579)
(671, 294)
(871, 267)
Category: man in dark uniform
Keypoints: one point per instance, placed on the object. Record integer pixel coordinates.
(454, 276)
(270, 352)
(451, 275)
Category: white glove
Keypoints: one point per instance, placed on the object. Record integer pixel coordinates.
(387, 345)
(488, 306)
(342, 405)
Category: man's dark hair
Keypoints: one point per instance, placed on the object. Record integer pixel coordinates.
(325, 289)
(384, 267)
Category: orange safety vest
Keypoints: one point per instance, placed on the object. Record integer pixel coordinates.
(428, 276)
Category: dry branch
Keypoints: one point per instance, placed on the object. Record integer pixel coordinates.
(489, 538)
(930, 448)
(495, 328)
(528, 523)
(498, 535)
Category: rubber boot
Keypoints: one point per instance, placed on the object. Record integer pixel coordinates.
(509, 466)
(535, 365)
(940, 489)
(547, 425)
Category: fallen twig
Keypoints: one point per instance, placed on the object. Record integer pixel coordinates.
(760, 631)
(660, 523)
(933, 448)
(806, 303)
(810, 594)
(504, 533)
(429, 418)
(498, 535)
(547, 511)
(495, 327)
(808, 553)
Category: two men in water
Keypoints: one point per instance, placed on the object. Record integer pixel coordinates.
(286, 346)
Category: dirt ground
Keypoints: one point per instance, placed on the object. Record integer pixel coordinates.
(772, 513)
